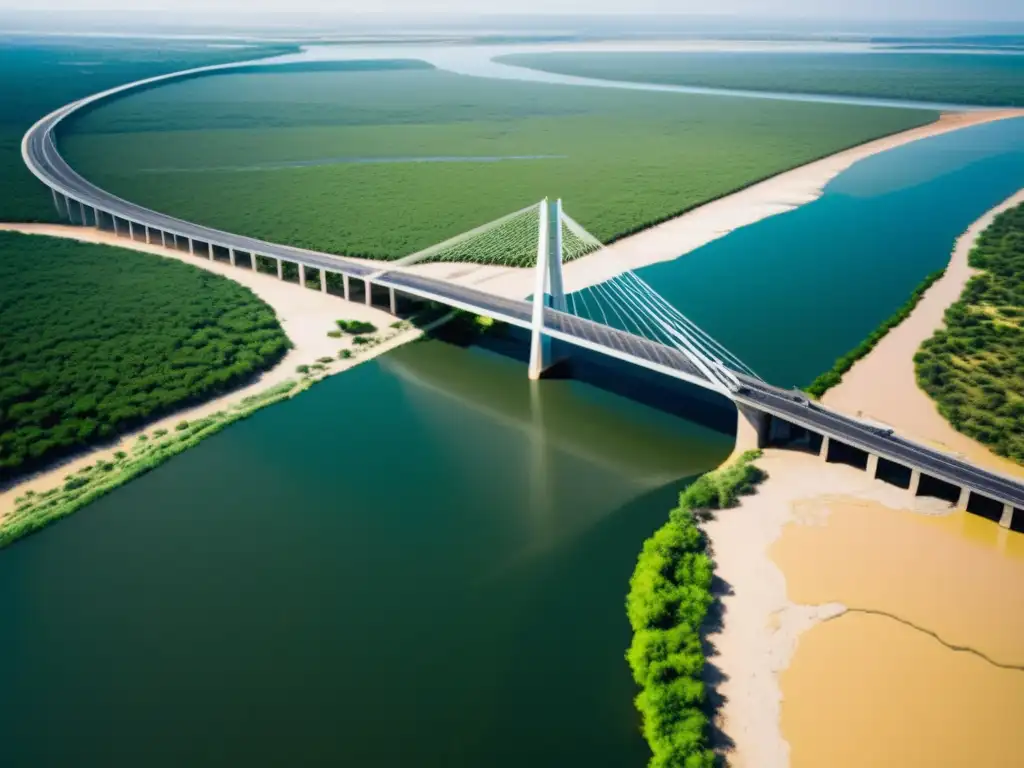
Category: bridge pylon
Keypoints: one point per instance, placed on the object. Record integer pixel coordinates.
(549, 289)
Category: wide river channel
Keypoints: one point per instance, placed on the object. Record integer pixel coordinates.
(423, 561)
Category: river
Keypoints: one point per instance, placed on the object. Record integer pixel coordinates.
(424, 561)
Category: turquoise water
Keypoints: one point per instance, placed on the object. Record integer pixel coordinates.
(793, 292)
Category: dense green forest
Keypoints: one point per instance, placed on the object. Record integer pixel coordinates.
(97, 340)
(668, 602)
(39, 75)
(387, 163)
(974, 367)
(957, 78)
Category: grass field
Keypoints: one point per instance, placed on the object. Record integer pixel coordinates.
(36, 77)
(386, 163)
(946, 78)
(974, 367)
(97, 340)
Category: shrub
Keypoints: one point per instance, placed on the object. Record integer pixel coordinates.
(668, 601)
(181, 426)
(334, 334)
(356, 326)
(325, 360)
(160, 433)
(302, 369)
(345, 354)
(362, 340)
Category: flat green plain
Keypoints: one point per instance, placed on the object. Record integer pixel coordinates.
(385, 163)
(952, 78)
(37, 77)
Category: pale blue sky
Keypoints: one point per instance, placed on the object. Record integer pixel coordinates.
(880, 10)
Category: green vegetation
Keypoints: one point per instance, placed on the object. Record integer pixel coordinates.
(974, 367)
(387, 163)
(669, 598)
(961, 78)
(99, 340)
(36, 79)
(834, 375)
(356, 326)
(35, 511)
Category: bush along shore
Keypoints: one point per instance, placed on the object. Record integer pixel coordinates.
(834, 375)
(668, 601)
(34, 511)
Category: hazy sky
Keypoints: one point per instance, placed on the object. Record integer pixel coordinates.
(834, 9)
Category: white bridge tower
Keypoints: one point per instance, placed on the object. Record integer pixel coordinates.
(548, 290)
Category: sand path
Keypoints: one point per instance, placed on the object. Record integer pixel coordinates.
(883, 386)
(305, 315)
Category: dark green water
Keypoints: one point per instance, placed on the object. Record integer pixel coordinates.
(423, 562)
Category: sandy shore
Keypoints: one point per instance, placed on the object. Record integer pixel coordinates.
(882, 385)
(702, 225)
(305, 315)
(761, 624)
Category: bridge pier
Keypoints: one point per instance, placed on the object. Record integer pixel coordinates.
(96, 217)
(752, 427)
(965, 498)
(872, 468)
(231, 256)
(393, 300)
(81, 210)
(163, 238)
(1006, 520)
(131, 230)
(344, 286)
(302, 275)
(280, 270)
(191, 246)
(56, 203)
(369, 292)
(823, 453)
(915, 481)
(323, 281)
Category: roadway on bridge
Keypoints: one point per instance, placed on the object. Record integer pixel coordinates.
(43, 158)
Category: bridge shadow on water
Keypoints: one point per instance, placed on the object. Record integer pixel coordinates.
(655, 390)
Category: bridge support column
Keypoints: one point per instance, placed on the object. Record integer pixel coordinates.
(302, 275)
(323, 280)
(96, 217)
(915, 481)
(209, 251)
(965, 498)
(56, 203)
(149, 235)
(191, 246)
(1007, 517)
(752, 428)
(369, 292)
(163, 238)
(81, 209)
(231, 256)
(131, 230)
(280, 270)
(344, 286)
(113, 218)
(393, 300)
(872, 468)
(548, 290)
(823, 453)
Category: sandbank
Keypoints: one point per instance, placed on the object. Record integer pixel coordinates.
(761, 624)
(702, 225)
(882, 385)
(305, 315)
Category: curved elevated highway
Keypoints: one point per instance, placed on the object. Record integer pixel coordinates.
(762, 406)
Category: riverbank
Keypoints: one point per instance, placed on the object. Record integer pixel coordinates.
(702, 225)
(883, 386)
(761, 624)
(306, 318)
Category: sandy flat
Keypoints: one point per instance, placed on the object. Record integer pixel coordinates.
(882, 385)
(761, 624)
(306, 316)
(709, 222)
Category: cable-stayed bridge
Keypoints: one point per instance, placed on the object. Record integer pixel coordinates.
(621, 317)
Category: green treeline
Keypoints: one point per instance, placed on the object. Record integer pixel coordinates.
(669, 598)
(834, 375)
(98, 340)
(974, 367)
